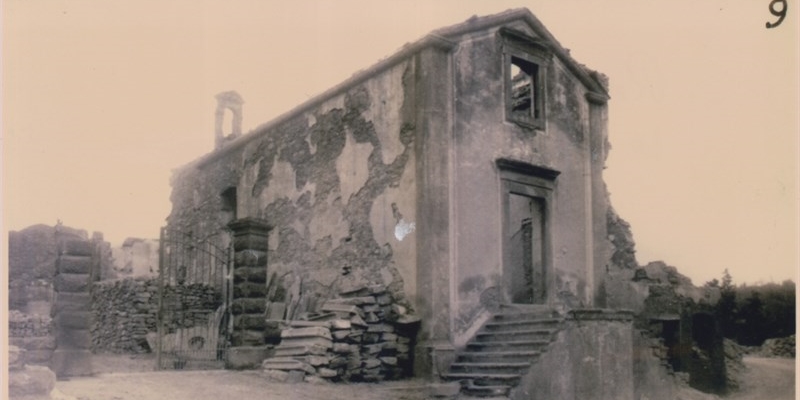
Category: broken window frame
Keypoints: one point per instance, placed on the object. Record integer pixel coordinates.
(531, 56)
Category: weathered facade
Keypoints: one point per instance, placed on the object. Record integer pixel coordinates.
(464, 173)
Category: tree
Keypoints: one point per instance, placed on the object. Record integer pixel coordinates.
(726, 307)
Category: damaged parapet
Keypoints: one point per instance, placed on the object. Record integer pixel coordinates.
(232, 101)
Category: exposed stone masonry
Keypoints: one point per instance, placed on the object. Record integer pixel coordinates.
(74, 275)
(126, 310)
(362, 336)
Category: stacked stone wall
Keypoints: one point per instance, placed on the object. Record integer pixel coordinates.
(126, 310)
(32, 333)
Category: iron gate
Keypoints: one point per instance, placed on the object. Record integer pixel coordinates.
(194, 321)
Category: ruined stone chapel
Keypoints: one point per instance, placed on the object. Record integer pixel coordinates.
(460, 178)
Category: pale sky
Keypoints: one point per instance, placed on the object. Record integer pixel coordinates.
(102, 99)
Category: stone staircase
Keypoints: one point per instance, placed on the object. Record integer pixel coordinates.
(495, 360)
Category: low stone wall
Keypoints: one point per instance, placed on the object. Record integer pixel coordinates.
(125, 310)
(33, 334)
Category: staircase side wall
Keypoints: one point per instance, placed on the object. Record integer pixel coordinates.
(590, 359)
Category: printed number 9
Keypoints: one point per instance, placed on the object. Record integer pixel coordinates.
(781, 14)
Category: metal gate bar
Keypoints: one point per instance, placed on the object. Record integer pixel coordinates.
(194, 297)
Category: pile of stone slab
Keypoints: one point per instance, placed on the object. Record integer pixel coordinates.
(363, 335)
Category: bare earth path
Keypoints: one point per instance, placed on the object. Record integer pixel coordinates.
(764, 379)
(217, 385)
(767, 379)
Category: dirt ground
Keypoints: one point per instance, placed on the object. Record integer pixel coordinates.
(133, 378)
(764, 379)
(220, 384)
(767, 379)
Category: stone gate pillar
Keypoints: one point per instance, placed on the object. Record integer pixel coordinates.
(71, 309)
(248, 347)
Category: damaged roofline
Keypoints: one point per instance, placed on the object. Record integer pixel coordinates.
(597, 89)
(431, 40)
(443, 39)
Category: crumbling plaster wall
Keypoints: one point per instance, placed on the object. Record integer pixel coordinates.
(482, 135)
(136, 257)
(336, 183)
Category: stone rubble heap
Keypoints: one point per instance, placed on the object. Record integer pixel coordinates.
(779, 347)
(362, 336)
(27, 381)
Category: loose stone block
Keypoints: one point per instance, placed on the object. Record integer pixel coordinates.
(312, 331)
(77, 247)
(246, 357)
(388, 360)
(250, 242)
(370, 308)
(16, 358)
(249, 322)
(388, 337)
(371, 318)
(341, 348)
(74, 264)
(327, 372)
(248, 306)
(287, 364)
(357, 321)
(250, 274)
(41, 357)
(35, 381)
(275, 375)
(384, 299)
(65, 301)
(305, 324)
(287, 351)
(337, 307)
(372, 349)
(296, 376)
(33, 343)
(338, 362)
(247, 338)
(371, 363)
(66, 363)
(314, 360)
(73, 338)
(340, 335)
(358, 301)
(71, 283)
(380, 328)
(73, 320)
(340, 324)
(250, 289)
(250, 258)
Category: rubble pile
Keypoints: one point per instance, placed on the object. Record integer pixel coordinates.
(779, 347)
(362, 336)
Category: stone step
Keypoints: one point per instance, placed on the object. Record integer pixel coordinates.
(490, 367)
(498, 356)
(510, 335)
(514, 324)
(508, 345)
(485, 391)
(484, 379)
(526, 318)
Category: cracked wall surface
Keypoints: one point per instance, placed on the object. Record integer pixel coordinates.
(330, 182)
(482, 136)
